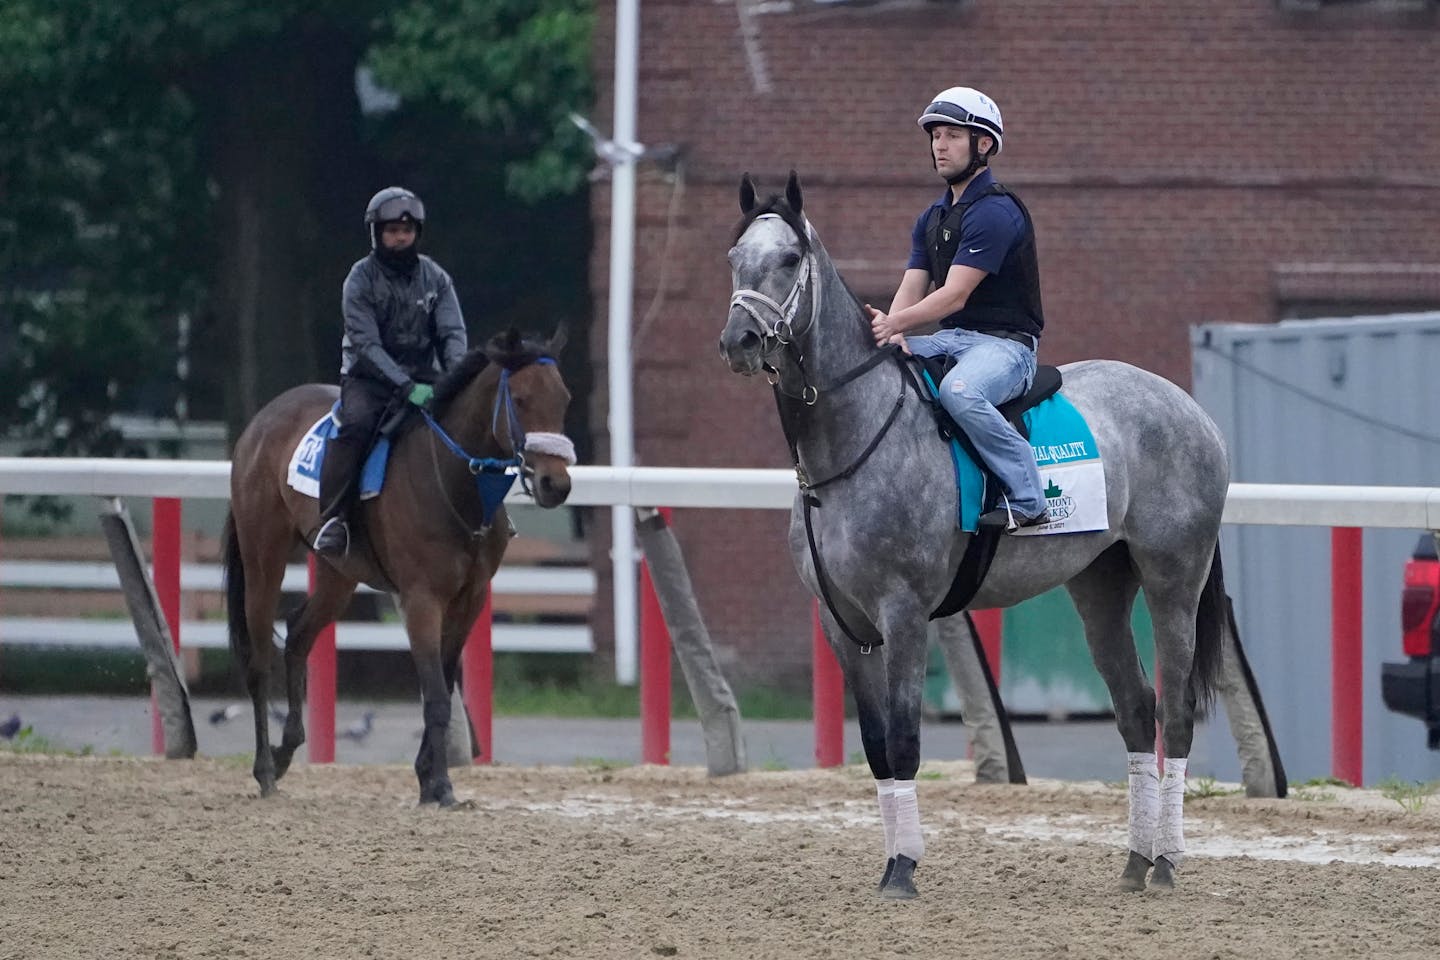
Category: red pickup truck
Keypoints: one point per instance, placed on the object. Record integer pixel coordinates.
(1413, 687)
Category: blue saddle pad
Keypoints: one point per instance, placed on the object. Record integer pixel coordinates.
(1059, 437)
(304, 474)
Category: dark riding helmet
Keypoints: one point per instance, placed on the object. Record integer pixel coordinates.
(390, 205)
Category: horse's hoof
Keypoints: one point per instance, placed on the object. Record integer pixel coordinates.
(885, 877)
(1132, 879)
(281, 758)
(267, 788)
(1164, 877)
(440, 793)
(901, 885)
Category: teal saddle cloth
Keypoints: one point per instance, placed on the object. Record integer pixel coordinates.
(1057, 432)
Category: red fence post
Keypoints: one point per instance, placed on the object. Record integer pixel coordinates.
(990, 625)
(320, 690)
(477, 675)
(165, 563)
(654, 670)
(2, 658)
(828, 691)
(1347, 658)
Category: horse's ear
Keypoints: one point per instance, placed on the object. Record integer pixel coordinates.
(792, 192)
(747, 194)
(556, 343)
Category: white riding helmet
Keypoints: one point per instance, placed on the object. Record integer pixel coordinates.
(965, 107)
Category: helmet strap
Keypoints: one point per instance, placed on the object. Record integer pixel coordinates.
(976, 161)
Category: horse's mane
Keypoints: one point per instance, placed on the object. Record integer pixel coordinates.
(510, 349)
(774, 204)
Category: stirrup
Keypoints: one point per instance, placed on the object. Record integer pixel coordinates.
(333, 538)
(1004, 518)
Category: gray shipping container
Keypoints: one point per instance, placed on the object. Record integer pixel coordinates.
(1339, 401)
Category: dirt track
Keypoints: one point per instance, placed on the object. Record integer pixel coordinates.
(142, 858)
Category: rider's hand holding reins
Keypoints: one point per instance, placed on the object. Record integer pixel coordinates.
(421, 394)
(884, 331)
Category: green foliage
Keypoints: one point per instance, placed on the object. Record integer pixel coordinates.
(513, 68)
(28, 741)
(1410, 794)
(1202, 788)
(120, 207)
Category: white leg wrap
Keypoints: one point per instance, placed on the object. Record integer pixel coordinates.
(1170, 834)
(885, 792)
(908, 841)
(1144, 802)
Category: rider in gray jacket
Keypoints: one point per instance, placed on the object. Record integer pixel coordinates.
(402, 327)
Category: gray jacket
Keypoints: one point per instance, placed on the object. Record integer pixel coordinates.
(400, 329)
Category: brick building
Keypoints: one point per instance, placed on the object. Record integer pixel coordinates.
(1185, 163)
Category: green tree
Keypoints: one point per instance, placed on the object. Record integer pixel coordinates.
(203, 165)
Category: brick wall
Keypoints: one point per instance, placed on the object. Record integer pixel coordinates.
(1184, 164)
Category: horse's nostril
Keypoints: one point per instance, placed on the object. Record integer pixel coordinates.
(750, 340)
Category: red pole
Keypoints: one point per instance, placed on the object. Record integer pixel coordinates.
(990, 625)
(1347, 660)
(2, 500)
(654, 671)
(320, 691)
(165, 561)
(828, 690)
(477, 668)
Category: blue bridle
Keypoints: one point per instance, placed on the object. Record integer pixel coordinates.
(494, 476)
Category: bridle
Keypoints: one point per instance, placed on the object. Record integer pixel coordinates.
(783, 335)
(494, 476)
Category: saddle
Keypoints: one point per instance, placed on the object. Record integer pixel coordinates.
(975, 564)
(1046, 384)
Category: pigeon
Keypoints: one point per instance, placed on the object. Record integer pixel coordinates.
(360, 730)
(10, 727)
(225, 714)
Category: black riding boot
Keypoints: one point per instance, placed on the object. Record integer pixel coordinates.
(337, 475)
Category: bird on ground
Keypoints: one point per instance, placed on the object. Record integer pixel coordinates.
(225, 714)
(359, 730)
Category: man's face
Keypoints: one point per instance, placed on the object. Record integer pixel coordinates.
(397, 234)
(950, 145)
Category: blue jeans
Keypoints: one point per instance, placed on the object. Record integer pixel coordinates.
(989, 371)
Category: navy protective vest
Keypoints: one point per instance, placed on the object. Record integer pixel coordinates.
(1005, 301)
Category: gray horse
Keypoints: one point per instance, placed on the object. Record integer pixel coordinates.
(888, 546)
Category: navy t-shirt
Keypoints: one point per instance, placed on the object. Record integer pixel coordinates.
(992, 227)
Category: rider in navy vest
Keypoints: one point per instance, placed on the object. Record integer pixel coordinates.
(975, 247)
(402, 326)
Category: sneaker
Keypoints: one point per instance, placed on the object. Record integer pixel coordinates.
(333, 540)
(1002, 519)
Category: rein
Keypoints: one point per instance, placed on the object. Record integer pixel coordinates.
(782, 336)
(494, 476)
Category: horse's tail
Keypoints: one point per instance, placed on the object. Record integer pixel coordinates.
(1210, 623)
(234, 577)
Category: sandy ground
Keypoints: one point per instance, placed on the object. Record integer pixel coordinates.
(120, 857)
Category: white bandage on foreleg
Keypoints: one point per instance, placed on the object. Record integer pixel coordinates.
(1144, 802)
(1170, 833)
(908, 841)
(554, 444)
(885, 793)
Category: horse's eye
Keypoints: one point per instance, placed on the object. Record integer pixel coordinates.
(789, 260)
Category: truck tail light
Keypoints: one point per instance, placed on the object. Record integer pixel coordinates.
(1419, 601)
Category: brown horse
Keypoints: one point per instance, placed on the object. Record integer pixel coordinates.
(432, 538)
